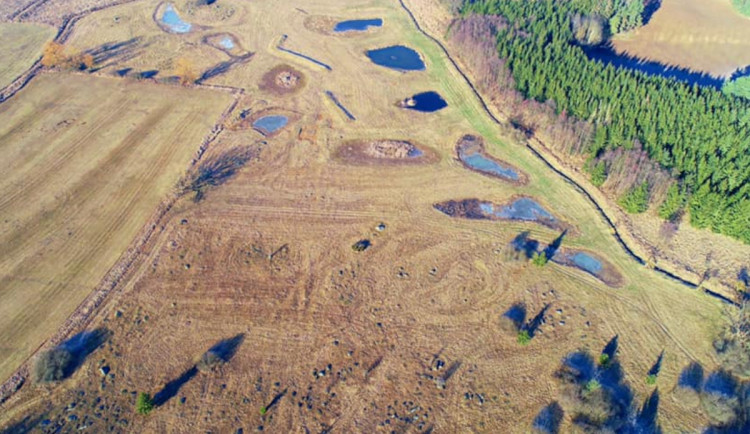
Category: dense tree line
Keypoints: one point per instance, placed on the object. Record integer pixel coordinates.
(700, 135)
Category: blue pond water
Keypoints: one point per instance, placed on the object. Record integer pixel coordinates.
(586, 263)
(271, 124)
(521, 209)
(397, 57)
(357, 25)
(479, 162)
(227, 42)
(173, 21)
(427, 102)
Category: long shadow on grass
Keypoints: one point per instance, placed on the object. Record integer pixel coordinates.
(646, 421)
(537, 321)
(218, 170)
(170, 389)
(225, 349)
(656, 367)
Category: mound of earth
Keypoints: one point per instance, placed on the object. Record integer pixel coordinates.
(391, 149)
(283, 79)
(385, 151)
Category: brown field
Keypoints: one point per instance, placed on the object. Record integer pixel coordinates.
(268, 255)
(21, 47)
(85, 162)
(702, 35)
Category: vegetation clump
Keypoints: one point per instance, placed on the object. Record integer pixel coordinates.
(540, 259)
(523, 337)
(144, 404)
(635, 201)
(54, 365)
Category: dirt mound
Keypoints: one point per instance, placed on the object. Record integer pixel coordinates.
(282, 80)
(391, 149)
(385, 151)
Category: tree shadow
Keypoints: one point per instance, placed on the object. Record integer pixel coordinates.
(649, 10)
(721, 382)
(656, 367)
(548, 420)
(451, 370)
(537, 321)
(170, 389)
(612, 379)
(646, 421)
(82, 345)
(691, 377)
(222, 68)
(517, 315)
(227, 348)
(123, 72)
(145, 75)
(554, 246)
(523, 244)
(577, 367)
(218, 170)
(112, 53)
(611, 348)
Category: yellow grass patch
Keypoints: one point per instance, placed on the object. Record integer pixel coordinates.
(21, 46)
(702, 35)
(85, 161)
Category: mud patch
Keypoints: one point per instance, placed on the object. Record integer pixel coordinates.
(282, 80)
(226, 42)
(385, 152)
(589, 263)
(472, 154)
(521, 208)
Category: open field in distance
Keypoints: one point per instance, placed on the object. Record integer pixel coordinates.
(21, 46)
(85, 162)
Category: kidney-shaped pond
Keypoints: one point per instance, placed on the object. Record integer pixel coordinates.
(357, 25)
(471, 153)
(270, 124)
(397, 57)
(173, 22)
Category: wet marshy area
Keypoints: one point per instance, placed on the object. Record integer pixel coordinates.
(472, 154)
(519, 209)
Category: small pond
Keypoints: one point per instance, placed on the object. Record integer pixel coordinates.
(397, 57)
(480, 163)
(587, 263)
(227, 42)
(173, 21)
(270, 124)
(523, 208)
(357, 25)
(426, 102)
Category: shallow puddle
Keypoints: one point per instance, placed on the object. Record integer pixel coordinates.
(173, 21)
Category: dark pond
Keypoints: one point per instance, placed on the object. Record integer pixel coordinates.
(270, 124)
(173, 21)
(523, 208)
(427, 102)
(397, 57)
(608, 56)
(357, 25)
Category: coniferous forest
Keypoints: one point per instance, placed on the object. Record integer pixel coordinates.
(700, 135)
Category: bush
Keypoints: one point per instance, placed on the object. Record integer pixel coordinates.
(540, 259)
(144, 403)
(54, 365)
(651, 379)
(523, 337)
(209, 360)
(604, 360)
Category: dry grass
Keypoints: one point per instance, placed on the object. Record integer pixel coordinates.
(268, 254)
(702, 35)
(85, 162)
(21, 47)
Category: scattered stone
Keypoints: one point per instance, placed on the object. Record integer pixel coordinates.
(381, 227)
(104, 370)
